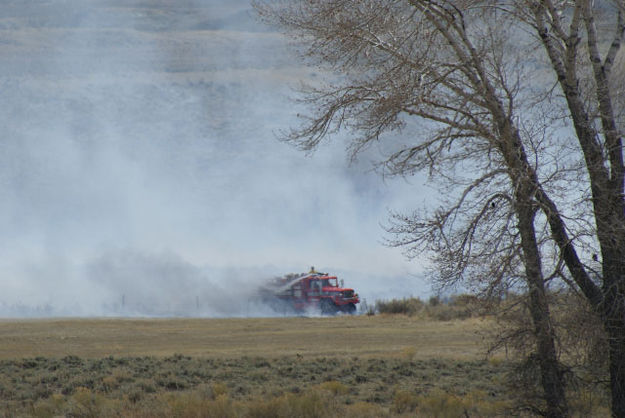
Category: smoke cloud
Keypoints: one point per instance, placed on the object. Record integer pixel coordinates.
(140, 174)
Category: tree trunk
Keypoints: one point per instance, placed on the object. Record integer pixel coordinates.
(613, 313)
(552, 378)
(616, 335)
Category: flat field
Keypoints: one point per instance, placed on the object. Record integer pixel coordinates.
(343, 336)
(255, 367)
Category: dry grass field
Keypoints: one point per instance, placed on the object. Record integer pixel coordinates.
(384, 365)
(345, 366)
(344, 336)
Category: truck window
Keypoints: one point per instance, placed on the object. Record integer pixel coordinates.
(297, 290)
(315, 287)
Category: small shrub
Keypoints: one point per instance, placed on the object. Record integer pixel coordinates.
(222, 407)
(48, 408)
(310, 405)
(586, 403)
(465, 300)
(182, 405)
(450, 311)
(369, 310)
(406, 306)
(440, 404)
(219, 389)
(171, 382)
(264, 409)
(258, 377)
(364, 410)
(496, 361)
(458, 307)
(359, 378)
(109, 384)
(404, 401)
(122, 376)
(204, 391)
(409, 353)
(307, 405)
(334, 387)
(135, 395)
(85, 403)
(147, 385)
(479, 403)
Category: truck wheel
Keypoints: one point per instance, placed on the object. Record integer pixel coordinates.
(350, 308)
(327, 307)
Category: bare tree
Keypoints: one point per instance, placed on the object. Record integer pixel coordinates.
(452, 69)
(582, 50)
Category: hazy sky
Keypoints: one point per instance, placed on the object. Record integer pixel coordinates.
(139, 161)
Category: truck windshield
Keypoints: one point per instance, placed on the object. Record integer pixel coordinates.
(329, 282)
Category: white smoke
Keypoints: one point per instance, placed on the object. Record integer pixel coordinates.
(139, 162)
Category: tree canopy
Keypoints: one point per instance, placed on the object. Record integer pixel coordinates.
(518, 113)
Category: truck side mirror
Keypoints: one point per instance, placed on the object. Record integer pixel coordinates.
(342, 283)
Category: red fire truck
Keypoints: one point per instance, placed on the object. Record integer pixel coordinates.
(311, 290)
